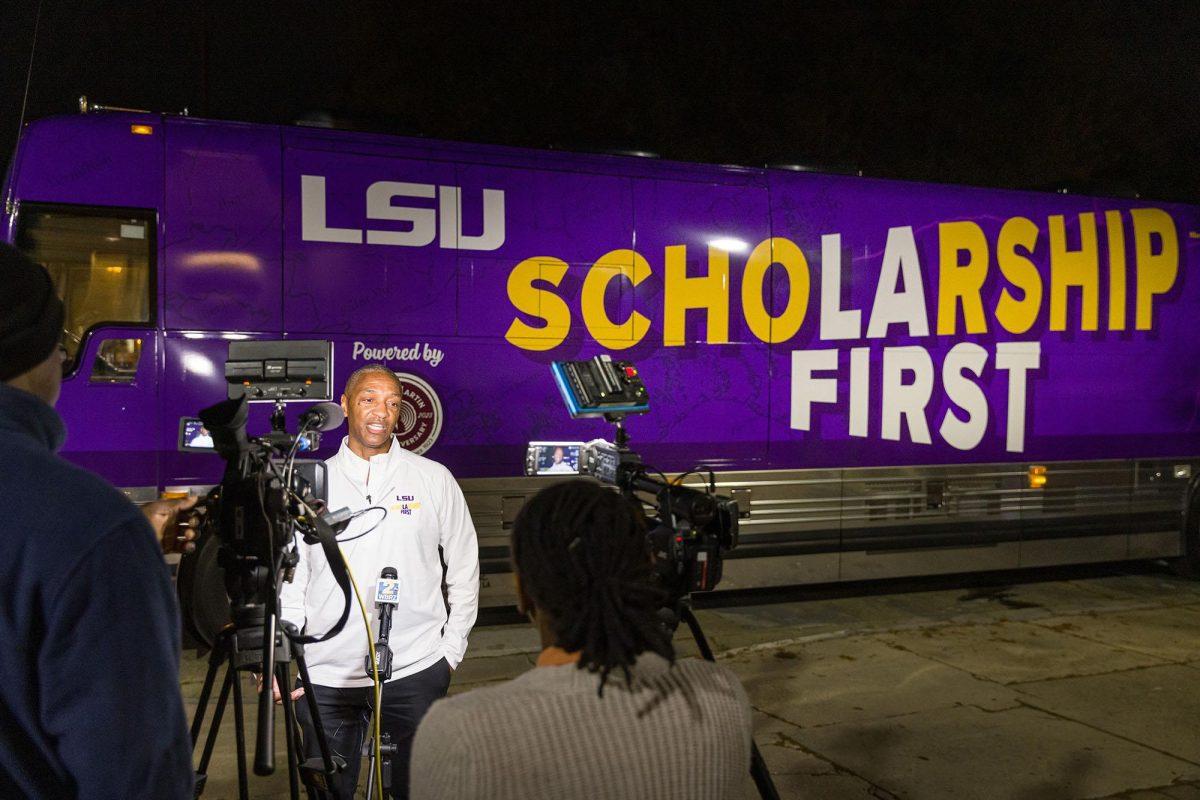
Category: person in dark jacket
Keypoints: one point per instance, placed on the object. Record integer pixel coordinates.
(89, 629)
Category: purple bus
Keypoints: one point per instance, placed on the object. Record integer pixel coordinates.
(895, 378)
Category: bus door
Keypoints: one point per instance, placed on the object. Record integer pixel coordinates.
(102, 261)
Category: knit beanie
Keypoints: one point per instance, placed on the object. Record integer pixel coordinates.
(31, 315)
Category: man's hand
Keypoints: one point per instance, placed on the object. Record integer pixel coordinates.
(174, 526)
(296, 693)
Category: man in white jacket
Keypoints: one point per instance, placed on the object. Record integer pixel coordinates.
(426, 513)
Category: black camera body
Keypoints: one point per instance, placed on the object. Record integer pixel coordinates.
(690, 530)
(266, 495)
(689, 554)
(262, 495)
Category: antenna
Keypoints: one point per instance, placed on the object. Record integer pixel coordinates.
(37, 22)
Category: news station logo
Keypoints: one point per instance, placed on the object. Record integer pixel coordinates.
(420, 414)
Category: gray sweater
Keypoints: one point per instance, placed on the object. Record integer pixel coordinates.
(681, 732)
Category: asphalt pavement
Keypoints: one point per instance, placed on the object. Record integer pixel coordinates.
(1083, 686)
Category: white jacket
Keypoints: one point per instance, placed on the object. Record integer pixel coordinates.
(425, 510)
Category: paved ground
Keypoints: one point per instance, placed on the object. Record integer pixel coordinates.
(1079, 688)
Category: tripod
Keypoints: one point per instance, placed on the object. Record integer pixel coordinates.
(758, 767)
(388, 752)
(239, 649)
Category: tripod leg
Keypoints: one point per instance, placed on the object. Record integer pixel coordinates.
(760, 774)
(214, 663)
(758, 766)
(315, 715)
(239, 728)
(688, 616)
(289, 726)
(215, 726)
(327, 759)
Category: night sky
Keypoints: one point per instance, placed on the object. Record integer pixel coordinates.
(1097, 98)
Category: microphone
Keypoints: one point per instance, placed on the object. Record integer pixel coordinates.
(322, 417)
(387, 596)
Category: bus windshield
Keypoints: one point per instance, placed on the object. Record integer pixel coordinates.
(100, 260)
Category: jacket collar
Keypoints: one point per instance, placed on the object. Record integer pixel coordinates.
(27, 415)
(354, 464)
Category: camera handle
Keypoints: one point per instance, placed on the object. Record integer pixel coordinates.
(758, 766)
(621, 438)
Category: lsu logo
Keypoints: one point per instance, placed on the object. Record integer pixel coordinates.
(388, 202)
(406, 504)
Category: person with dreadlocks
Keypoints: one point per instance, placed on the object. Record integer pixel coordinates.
(608, 712)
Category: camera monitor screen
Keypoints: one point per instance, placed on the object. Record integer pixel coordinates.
(194, 437)
(553, 458)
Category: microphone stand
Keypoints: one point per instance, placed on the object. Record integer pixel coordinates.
(383, 664)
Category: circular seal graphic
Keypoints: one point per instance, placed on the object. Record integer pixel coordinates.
(420, 414)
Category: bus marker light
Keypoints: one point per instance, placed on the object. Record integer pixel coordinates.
(141, 130)
(1037, 477)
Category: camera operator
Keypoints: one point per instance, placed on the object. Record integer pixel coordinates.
(90, 703)
(607, 712)
(426, 512)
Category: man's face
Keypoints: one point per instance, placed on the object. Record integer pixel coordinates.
(558, 455)
(372, 413)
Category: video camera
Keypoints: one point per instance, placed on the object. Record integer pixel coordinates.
(266, 493)
(265, 498)
(691, 530)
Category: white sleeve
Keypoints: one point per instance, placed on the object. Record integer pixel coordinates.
(460, 548)
(291, 596)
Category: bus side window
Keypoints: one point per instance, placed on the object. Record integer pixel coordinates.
(102, 265)
(116, 361)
